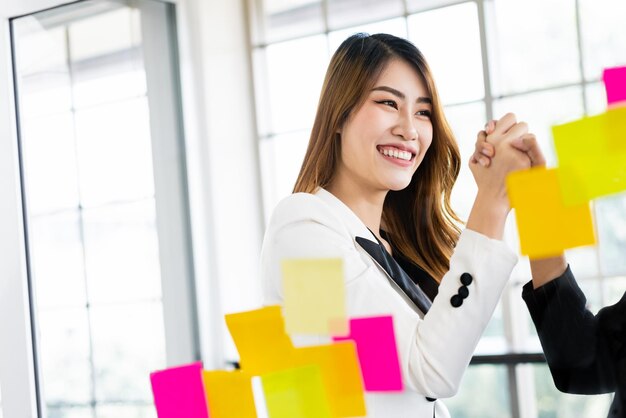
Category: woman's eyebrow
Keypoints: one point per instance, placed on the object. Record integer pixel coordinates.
(401, 95)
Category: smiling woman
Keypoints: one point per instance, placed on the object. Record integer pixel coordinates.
(374, 190)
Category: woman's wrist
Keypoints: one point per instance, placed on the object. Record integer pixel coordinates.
(488, 215)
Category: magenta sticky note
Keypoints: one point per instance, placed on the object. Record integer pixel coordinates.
(378, 354)
(615, 84)
(179, 392)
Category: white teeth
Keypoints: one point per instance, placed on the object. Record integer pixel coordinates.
(403, 155)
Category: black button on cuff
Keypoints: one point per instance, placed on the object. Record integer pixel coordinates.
(456, 301)
(463, 292)
(466, 279)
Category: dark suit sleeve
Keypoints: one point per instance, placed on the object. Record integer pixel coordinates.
(576, 350)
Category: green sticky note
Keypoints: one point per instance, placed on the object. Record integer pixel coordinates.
(591, 156)
(546, 226)
(315, 296)
(261, 340)
(296, 393)
(229, 394)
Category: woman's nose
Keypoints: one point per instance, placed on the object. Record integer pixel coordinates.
(406, 128)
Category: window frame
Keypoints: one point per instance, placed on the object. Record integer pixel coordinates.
(19, 360)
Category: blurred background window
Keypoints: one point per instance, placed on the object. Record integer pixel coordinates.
(105, 199)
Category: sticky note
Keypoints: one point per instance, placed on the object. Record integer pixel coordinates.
(260, 339)
(264, 348)
(315, 297)
(179, 392)
(591, 156)
(375, 341)
(546, 227)
(229, 394)
(339, 367)
(296, 393)
(615, 84)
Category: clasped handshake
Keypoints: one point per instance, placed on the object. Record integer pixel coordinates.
(504, 146)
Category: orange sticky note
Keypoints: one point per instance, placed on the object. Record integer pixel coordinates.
(592, 156)
(265, 349)
(341, 375)
(260, 339)
(546, 227)
(296, 393)
(315, 297)
(229, 394)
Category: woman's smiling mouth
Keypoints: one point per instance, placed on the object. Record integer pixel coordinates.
(397, 156)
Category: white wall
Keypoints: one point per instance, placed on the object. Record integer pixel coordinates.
(223, 165)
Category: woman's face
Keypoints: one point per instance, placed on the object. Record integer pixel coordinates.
(385, 140)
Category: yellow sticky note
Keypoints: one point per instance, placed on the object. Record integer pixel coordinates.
(296, 393)
(315, 297)
(592, 156)
(229, 394)
(546, 227)
(341, 375)
(261, 340)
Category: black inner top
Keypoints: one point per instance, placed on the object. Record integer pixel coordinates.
(424, 280)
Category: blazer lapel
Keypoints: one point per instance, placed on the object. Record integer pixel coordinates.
(395, 272)
(356, 228)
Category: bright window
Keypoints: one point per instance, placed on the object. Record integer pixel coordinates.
(98, 213)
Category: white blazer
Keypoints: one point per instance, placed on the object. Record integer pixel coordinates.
(434, 349)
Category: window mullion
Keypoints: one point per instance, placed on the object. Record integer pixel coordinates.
(17, 361)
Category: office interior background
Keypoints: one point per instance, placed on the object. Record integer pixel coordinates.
(144, 143)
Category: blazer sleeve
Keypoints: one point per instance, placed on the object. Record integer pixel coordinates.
(576, 347)
(434, 351)
(446, 338)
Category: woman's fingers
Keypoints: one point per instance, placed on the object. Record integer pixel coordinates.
(516, 131)
(488, 150)
(528, 144)
(505, 123)
(483, 151)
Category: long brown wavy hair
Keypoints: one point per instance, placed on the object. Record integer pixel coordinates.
(419, 220)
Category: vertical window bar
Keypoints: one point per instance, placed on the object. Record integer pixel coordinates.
(29, 283)
(581, 61)
(484, 46)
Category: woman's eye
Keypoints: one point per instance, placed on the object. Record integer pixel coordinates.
(426, 113)
(388, 103)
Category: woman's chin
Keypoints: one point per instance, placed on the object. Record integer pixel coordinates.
(398, 184)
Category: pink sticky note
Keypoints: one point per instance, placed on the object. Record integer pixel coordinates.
(179, 392)
(378, 354)
(615, 84)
